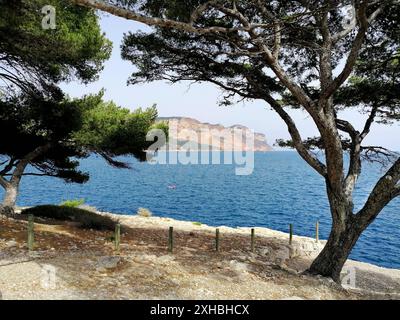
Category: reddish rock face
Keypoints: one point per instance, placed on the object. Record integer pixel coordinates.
(205, 136)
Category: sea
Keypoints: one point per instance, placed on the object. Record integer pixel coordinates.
(281, 190)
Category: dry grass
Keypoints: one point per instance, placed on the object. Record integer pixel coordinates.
(146, 270)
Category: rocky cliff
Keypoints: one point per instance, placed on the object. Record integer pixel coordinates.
(204, 136)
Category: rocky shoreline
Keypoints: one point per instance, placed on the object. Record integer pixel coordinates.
(86, 265)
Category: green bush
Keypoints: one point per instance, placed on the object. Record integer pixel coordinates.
(73, 203)
(87, 219)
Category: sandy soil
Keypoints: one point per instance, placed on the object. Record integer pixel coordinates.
(71, 263)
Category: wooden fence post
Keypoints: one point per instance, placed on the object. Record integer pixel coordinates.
(217, 240)
(31, 234)
(171, 240)
(291, 234)
(253, 236)
(317, 231)
(117, 237)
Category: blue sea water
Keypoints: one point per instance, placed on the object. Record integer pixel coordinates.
(282, 190)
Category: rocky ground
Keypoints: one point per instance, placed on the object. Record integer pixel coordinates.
(71, 263)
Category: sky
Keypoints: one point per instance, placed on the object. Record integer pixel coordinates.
(200, 101)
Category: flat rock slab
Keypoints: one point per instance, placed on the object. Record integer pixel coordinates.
(108, 262)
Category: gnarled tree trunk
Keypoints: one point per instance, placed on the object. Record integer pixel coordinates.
(347, 227)
(344, 234)
(332, 258)
(11, 186)
(10, 198)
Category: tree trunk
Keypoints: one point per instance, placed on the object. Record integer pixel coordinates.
(332, 258)
(9, 200)
(10, 197)
(11, 186)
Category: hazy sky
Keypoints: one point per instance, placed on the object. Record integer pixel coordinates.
(200, 101)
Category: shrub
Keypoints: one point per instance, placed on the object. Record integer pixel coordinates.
(73, 203)
(143, 212)
(87, 219)
(197, 223)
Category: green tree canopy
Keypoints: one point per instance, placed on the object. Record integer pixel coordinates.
(34, 59)
(36, 120)
(112, 131)
(40, 131)
(49, 138)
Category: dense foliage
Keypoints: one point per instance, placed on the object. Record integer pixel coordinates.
(111, 131)
(28, 123)
(33, 59)
(43, 132)
(70, 130)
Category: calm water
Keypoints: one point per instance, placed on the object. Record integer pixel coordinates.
(282, 190)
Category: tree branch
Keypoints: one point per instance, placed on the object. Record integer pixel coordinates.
(277, 28)
(325, 63)
(311, 159)
(347, 127)
(396, 192)
(353, 55)
(22, 164)
(295, 89)
(196, 14)
(379, 154)
(353, 23)
(355, 155)
(3, 182)
(37, 174)
(152, 21)
(369, 122)
(384, 191)
(271, 59)
(8, 167)
(351, 26)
